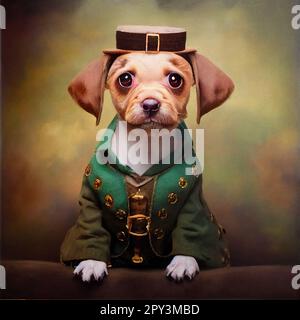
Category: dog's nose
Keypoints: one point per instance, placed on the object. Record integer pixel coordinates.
(150, 106)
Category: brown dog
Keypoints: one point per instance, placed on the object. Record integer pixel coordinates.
(213, 86)
(165, 78)
(150, 90)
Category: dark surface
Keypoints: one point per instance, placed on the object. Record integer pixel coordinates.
(50, 280)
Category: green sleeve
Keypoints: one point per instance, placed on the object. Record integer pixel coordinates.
(87, 239)
(197, 234)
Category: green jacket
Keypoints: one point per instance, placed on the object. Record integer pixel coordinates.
(180, 222)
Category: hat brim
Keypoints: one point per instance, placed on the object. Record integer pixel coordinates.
(122, 51)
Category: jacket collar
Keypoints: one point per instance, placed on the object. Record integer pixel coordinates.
(104, 147)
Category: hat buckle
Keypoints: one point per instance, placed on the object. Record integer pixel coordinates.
(153, 35)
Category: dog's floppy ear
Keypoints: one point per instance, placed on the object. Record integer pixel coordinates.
(213, 86)
(87, 88)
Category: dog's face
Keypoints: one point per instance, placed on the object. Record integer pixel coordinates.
(150, 90)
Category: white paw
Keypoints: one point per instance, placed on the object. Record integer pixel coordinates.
(89, 268)
(182, 266)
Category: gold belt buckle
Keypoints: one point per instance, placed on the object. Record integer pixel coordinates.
(153, 35)
(131, 220)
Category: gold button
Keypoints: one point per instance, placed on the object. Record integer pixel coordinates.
(97, 183)
(172, 198)
(108, 201)
(87, 170)
(162, 213)
(120, 214)
(121, 236)
(158, 233)
(182, 183)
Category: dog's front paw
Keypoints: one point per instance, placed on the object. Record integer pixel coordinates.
(89, 268)
(182, 266)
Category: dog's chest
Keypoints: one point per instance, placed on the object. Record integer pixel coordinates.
(135, 149)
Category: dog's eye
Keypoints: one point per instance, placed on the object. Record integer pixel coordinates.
(125, 80)
(175, 80)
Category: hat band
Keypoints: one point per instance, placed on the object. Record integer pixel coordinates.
(152, 42)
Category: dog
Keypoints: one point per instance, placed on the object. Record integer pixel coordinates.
(150, 89)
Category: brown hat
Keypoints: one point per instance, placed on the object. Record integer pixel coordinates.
(151, 39)
(213, 86)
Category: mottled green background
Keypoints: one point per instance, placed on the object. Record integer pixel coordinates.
(251, 178)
